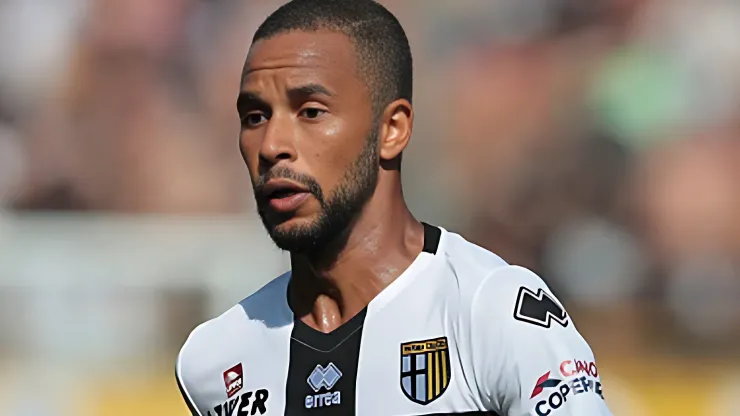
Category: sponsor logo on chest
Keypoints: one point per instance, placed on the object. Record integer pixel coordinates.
(323, 379)
(233, 379)
(246, 403)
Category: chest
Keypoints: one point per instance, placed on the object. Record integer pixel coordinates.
(400, 360)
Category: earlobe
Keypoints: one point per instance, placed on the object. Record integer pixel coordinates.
(398, 121)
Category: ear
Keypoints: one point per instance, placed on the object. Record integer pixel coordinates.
(397, 123)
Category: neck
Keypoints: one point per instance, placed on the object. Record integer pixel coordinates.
(378, 247)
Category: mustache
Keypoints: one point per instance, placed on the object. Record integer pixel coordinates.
(284, 173)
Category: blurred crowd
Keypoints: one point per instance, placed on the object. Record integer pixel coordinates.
(595, 142)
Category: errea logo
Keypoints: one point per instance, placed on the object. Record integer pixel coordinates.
(326, 378)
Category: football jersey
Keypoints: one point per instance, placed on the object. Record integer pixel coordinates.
(460, 331)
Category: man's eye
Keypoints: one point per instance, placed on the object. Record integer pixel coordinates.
(312, 113)
(254, 119)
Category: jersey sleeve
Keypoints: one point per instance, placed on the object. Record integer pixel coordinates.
(183, 389)
(528, 357)
(188, 371)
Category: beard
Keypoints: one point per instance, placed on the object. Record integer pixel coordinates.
(338, 210)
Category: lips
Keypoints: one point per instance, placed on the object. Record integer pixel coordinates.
(283, 195)
(281, 188)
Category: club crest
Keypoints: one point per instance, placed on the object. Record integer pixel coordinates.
(425, 369)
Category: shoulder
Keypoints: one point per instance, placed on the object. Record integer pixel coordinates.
(199, 354)
(461, 253)
(496, 291)
(208, 344)
(467, 262)
(496, 294)
(515, 313)
(515, 295)
(266, 307)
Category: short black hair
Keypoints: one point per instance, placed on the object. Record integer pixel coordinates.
(382, 48)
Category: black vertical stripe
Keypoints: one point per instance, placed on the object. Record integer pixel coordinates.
(310, 348)
(432, 235)
(413, 376)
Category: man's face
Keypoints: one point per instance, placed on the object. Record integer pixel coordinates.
(307, 136)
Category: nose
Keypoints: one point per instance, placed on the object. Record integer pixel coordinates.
(277, 143)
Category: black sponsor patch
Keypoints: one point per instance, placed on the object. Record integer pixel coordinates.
(539, 308)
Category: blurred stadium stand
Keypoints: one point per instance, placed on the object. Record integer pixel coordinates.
(595, 142)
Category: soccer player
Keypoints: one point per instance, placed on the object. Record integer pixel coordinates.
(380, 314)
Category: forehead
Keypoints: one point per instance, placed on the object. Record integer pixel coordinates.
(325, 57)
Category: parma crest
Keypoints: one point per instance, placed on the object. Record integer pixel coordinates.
(425, 369)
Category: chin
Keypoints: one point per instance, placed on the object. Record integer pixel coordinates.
(295, 242)
(296, 234)
(292, 224)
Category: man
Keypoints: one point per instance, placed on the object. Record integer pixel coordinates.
(380, 314)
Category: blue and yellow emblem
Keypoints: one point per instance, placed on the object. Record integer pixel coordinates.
(425, 369)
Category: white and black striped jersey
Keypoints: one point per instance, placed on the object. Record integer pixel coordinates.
(459, 332)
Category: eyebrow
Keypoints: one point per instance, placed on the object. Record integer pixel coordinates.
(248, 98)
(308, 90)
(251, 99)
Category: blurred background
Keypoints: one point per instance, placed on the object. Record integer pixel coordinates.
(593, 141)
